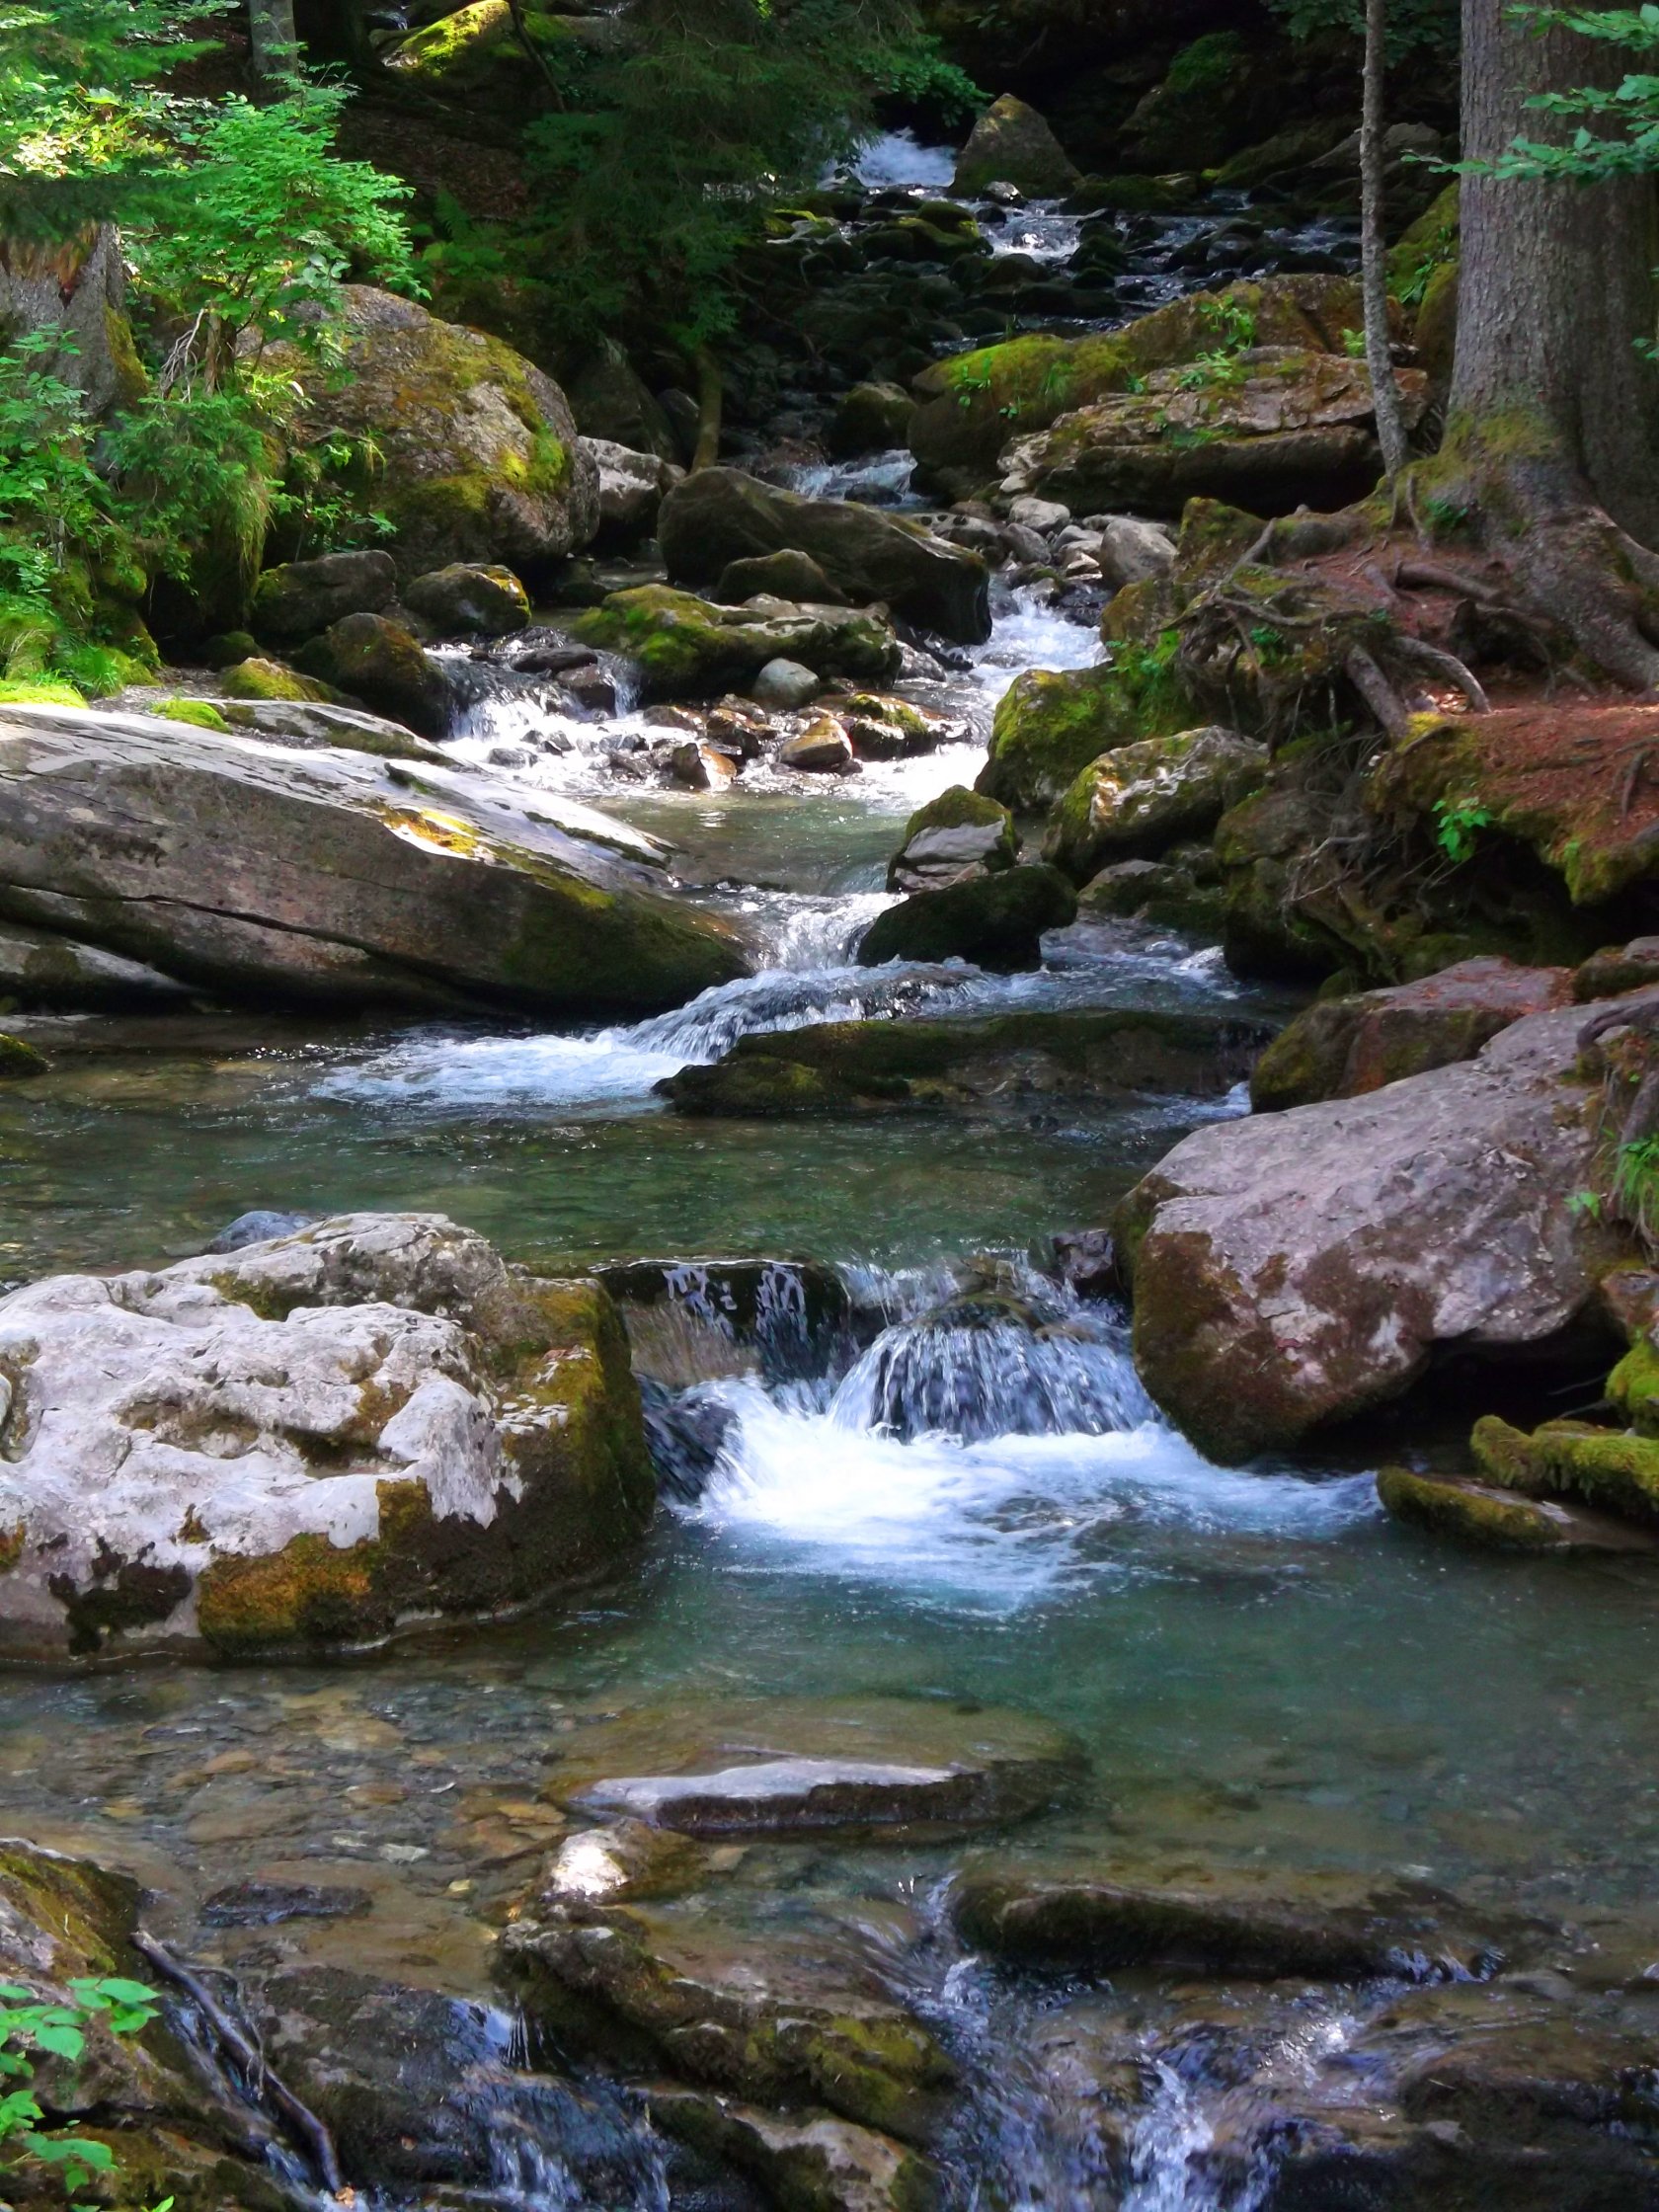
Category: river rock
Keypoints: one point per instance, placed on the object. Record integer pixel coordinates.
(322, 877)
(786, 575)
(18, 1058)
(308, 1443)
(702, 767)
(260, 678)
(301, 597)
(791, 1796)
(1011, 144)
(618, 1865)
(953, 837)
(40, 969)
(1134, 802)
(996, 920)
(870, 418)
(686, 647)
(800, 2158)
(1342, 1048)
(785, 685)
(718, 516)
(472, 598)
(318, 724)
(1282, 428)
(822, 748)
(1133, 551)
(1495, 1519)
(884, 728)
(1050, 725)
(632, 488)
(480, 460)
(878, 1068)
(1300, 1268)
(384, 664)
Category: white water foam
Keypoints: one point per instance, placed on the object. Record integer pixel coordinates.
(1029, 635)
(898, 161)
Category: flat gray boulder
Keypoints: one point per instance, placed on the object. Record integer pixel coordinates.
(792, 1794)
(307, 1443)
(333, 878)
(1298, 1268)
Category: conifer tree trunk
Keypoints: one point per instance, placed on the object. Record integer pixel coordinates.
(271, 26)
(1385, 392)
(1553, 426)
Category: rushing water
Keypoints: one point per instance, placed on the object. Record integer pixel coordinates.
(964, 1498)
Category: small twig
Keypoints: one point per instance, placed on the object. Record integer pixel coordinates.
(248, 2057)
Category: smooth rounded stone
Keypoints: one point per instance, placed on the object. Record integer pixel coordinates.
(783, 2020)
(995, 920)
(315, 724)
(1133, 551)
(470, 599)
(1139, 799)
(301, 597)
(1045, 517)
(822, 748)
(258, 1228)
(632, 488)
(953, 837)
(1300, 1268)
(1012, 144)
(385, 666)
(1495, 1519)
(324, 879)
(479, 456)
(870, 418)
(721, 514)
(615, 1864)
(878, 1068)
(308, 1443)
(788, 573)
(1162, 891)
(791, 1796)
(40, 969)
(262, 1904)
(1617, 968)
(1323, 1927)
(1342, 1048)
(803, 2160)
(784, 685)
(702, 767)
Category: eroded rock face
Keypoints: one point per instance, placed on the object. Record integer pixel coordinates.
(720, 516)
(1298, 1268)
(320, 878)
(480, 455)
(307, 1442)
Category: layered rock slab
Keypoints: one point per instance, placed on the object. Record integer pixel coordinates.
(307, 1442)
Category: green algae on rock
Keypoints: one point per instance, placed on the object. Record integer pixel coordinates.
(1012, 144)
(260, 678)
(686, 647)
(1491, 1516)
(1136, 800)
(446, 1438)
(18, 1059)
(1049, 725)
(1614, 1469)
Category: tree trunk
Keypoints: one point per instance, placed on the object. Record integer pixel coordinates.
(74, 290)
(1553, 426)
(270, 26)
(1385, 392)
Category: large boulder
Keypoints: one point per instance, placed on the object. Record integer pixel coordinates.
(326, 878)
(308, 1442)
(632, 488)
(957, 835)
(477, 51)
(1136, 801)
(718, 516)
(1275, 428)
(689, 648)
(970, 405)
(1011, 144)
(301, 597)
(1051, 724)
(479, 457)
(1297, 1269)
(997, 921)
(1341, 1048)
(471, 599)
(371, 657)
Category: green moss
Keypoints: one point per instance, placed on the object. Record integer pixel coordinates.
(1049, 725)
(956, 808)
(1633, 1386)
(1469, 1512)
(271, 679)
(47, 691)
(688, 647)
(1614, 1468)
(1208, 63)
(200, 713)
(18, 1059)
(310, 1592)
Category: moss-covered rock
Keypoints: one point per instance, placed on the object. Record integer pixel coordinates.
(300, 597)
(470, 599)
(689, 648)
(959, 834)
(442, 1436)
(1207, 103)
(200, 714)
(995, 919)
(1139, 799)
(1633, 1387)
(18, 1059)
(371, 657)
(1049, 725)
(1477, 1513)
(970, 405)
(260, 678)
(1011, 144)
(478, 458)
(1181, 891)
(1615, 1469)
(475, 52)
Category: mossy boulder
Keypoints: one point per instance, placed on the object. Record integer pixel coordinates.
(441, 1436)
(200, 714)
(994, 920)
(470, 599)
(1341, 1048)
(1493, 1519)
(1616, 1470)
(1049, 725)
(1012, 144)
(869, 418)
(260, 678)
(788, 573)
(371, 657)
(689, 648)
(18, 1059)
(969, 406)
(475, 53)
(1215, 94)
(300, 597)
(1141, 798)
(478, 455)
(959, 834)
(1633, 1387)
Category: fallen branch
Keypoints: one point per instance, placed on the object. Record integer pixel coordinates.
(1437, 662)
(248, 2056)
(1376, 692)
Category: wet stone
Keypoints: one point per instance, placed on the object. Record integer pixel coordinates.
(800, 1795)
(257, 1904)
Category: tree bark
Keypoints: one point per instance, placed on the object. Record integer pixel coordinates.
(270, 28)
(1385, 392)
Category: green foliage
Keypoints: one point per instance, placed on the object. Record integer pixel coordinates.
(29, 2027)
(1457, 823)
(1233, 325)
(1635, 1186)
(1619, 128)
(1413, 26)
